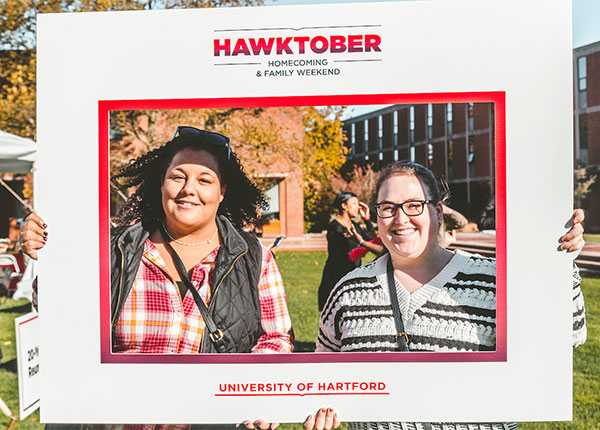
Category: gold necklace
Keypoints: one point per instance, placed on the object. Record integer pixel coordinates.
(206, 242)
(340, 219)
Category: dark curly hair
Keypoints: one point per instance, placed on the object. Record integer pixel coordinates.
(242, 201)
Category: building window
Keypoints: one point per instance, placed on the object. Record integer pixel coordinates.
(471, 148)
(582, 81)
(352, 139)
(366, 148)
(429, 155)
(429, 120)
(396, 128)
(271, 217)
(471, 156)
(471, 116)
(448, 119)
(411, 123)
(583, 134)
(450, 156)
(583, 139)
(380, 132)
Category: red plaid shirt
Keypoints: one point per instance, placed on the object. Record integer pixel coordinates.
(156, 320)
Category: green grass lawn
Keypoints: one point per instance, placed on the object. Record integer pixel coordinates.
(301, 272)
(591, 237)
(9, 391)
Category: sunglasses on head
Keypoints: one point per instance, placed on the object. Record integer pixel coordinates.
(208, 136)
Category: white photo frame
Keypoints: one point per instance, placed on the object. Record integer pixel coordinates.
(418, 52)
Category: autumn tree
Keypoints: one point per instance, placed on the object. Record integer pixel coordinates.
(584, 180)
(360, 181)
(17, 48)
(324, 155)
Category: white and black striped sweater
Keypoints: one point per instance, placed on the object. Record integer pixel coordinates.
(455, 311)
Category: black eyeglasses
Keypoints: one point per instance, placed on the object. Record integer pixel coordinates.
(209, 136)
(410, 208)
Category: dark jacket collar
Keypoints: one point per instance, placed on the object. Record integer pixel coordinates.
(230, 237)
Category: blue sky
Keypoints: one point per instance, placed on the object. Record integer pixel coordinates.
(586, 17)
(586, 22)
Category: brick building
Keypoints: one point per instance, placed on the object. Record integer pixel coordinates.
(586, 116)
(455, 140)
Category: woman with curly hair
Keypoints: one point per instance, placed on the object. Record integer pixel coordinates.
(185, 277)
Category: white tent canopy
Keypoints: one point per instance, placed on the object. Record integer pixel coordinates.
(17, 154)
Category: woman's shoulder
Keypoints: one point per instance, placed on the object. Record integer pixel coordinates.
(128, 234)
(366, 274)
(360, 286)
(334, 224)
(472, 264)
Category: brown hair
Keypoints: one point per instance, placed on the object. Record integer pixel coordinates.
(399, 168)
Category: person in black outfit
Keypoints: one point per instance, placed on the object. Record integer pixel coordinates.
(344, 235)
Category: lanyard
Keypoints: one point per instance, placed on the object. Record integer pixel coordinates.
(214, 333)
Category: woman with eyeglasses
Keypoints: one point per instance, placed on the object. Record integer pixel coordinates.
(185, 277)
(420, 296)
(343, 236)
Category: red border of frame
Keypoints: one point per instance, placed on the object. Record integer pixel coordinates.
(496, 97)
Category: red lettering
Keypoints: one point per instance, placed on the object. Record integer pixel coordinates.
(372, 385)
(372, 42)
(381, 385)
(261, 45)
(301, 42)
(338, 44)
(284, 45)
(355, 43)
(241, 48)
(315, 41)
(226, 47)
(339, 385)
(261, 387)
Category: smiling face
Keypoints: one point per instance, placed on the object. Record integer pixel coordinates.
(351, 206)
(191, 191)
(408, 238)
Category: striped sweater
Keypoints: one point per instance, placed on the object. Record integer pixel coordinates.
(455, 311)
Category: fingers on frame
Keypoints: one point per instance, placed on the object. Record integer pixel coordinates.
(262, 425)
(32, 229)
(320, 419)
(309, 422)
(34, 218)
(336, 420)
